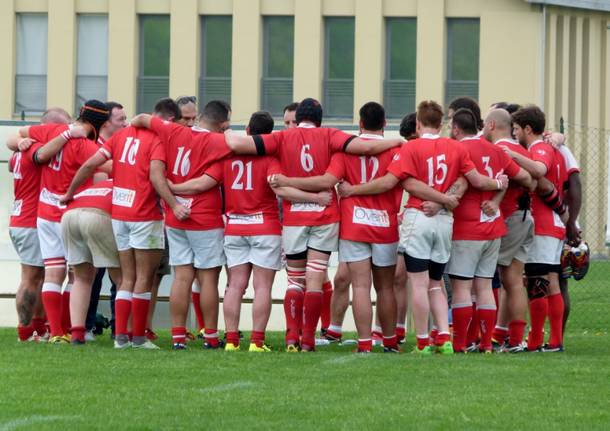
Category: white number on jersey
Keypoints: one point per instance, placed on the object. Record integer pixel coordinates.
(373, 163)
(437, 174)
(17, 168)
(182, 165)
(55, 162)
(130, 150)
(490, 172)
(238, 182)
(306, 159)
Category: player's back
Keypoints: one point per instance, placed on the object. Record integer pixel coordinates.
(26, 187)
(515, 192)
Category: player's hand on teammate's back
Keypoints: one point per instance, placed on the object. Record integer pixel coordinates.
(490, 208)
(503, 179)
(181, 212)
(25, 144)
(345, 189)
(325, 198)
(430, 208)
(64, 199)
(452, 202)
(277, 180)
(78, 132)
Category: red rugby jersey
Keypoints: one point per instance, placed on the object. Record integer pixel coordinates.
(190, 152)
(134, 198)
(435, 160)
(546, 221)
(469, 220)
(26, 186)
(367, 218)
(58, 173)
(97, 196)
(510, 202)
(250, 203)
(305, 151)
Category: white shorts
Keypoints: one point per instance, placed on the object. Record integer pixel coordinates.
(260, 250)
(297, 239)
(51, 241)
(380, 254)
(517, 242)
(471, 259)
(88, 238)
(201, 248)
(141, 235)
(26, 243)
(545, 249)
(427, 238)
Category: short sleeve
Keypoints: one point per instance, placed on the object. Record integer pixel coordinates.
(272, 142)
(216, 171)
(87, 149)
(157, 150)
(38, 132)
(571, 162)
(542, 153)
(216, 148)
(273, 168)
(395, 167)
(338, 139)
(466, 164)
(337, 166)
(106, 149)
(162, 128)
(510, 167)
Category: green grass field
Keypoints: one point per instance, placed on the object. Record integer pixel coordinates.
(94, 387)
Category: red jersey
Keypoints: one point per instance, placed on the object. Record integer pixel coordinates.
(546, 221)
(367, 218)
(190, 152)
(26, 185)
(305, 151)
(250, 203)
(469, 220)
(97, 196)
(510, 203)
(58, 173)
(436, 161)
(133, 197)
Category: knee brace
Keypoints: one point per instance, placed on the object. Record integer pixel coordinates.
(537, 287)
(317, 265)
(296, 277)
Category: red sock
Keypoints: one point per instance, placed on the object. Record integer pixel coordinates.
(211, 336)
(390, 342)
(538, 311)
(232, 337)
(462, 315)
(77, 333)
(24, 332)
(516, 329)
(487, 319)
(122, 310)
(39, 325)
(65, 309)
(499, 334)
(400, 332)
(433, 335)
(312, 303)
(441, 338)
(258, 338)
(327, 294)
(473, 334)
(51, 300)
(139, 308)
(196, 299)
(293, 310)
(179, 334)
(365, 345)
(556, 308)
(423, 341)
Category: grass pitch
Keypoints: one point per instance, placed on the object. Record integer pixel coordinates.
(94, 387)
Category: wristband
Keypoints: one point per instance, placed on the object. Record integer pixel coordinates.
(66, 134)
(499, 184)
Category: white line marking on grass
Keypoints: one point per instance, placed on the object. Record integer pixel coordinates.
(22, 422)
(228, 387)
(342, 359)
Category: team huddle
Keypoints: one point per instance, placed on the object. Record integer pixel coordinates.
(491, 219)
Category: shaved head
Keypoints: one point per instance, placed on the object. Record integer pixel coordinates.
(501, 117)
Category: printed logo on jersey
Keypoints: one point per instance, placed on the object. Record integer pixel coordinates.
(93, 192)
(17, 205)
(306, 207)
(50, 198)
(256, 218)
(186, 202)
(484, 218)
(123, 197)
(371, 217)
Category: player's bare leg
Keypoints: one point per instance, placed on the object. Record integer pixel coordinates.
(238, 283)
(461, 308)
(147, 262)
(80, 295)
(339, 302)
(293, 301)
(360, 274)
(437, 295)
(208, 280)
(179, 300)
(486, 311)
(383, 281)
(154, 292)
(27, 300)
(420, 282)
(317, 263)
(261, 308)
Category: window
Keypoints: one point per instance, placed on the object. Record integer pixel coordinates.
(401, 57)
(92, 59)
(215, 78)
(31, 70)
(278, 63)
(339, 68)
(153, 79)
(462, 58)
